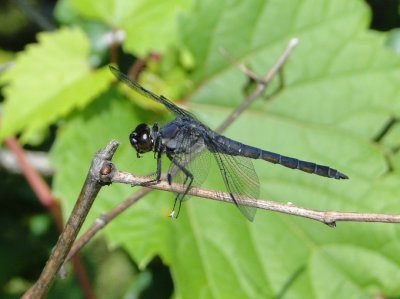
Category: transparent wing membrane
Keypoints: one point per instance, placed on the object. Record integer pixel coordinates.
(240, 180)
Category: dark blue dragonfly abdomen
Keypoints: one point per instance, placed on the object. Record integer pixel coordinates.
(235, 148)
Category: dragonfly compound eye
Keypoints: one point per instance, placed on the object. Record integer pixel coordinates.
(141, 139)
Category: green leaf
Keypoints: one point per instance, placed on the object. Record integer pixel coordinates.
(48, 81)
(153, 23)
(353, 272)
(341, 84)
(109, 11)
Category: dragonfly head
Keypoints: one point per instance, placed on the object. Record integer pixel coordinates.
(141, 139)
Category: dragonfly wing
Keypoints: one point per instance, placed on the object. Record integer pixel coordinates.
(193, 156)
(147, 93)
(240, 180)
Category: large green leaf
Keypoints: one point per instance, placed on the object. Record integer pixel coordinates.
(341, 85)
(148, 25)
(48, 80)
(335, 59)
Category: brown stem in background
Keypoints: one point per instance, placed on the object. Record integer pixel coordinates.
(140, 64)
(262, 84)
(35, 181)
(103, 220)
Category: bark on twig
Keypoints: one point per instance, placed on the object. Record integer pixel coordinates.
(98, 175)
(45, 197)
(327, 217)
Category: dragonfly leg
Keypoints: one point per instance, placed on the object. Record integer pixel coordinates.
(179, 209)
(187, 183)
(157, 173)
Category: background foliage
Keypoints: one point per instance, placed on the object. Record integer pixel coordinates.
(341, 87)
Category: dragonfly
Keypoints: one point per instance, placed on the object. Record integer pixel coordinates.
(190, 146)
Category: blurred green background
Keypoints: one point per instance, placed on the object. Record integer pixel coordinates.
(341, 91)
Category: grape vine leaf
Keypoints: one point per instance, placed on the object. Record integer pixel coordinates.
(48, 80)
(153, 23)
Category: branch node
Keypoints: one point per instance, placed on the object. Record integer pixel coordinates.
(101, 220)
(294, 42)
(331, 224)
(106, 173)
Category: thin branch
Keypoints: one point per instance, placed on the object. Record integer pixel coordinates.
(262, 84)
(385, 129)
(98, 174)
(327, 217)
(241, 67)
(43, 193)
(103, 220)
